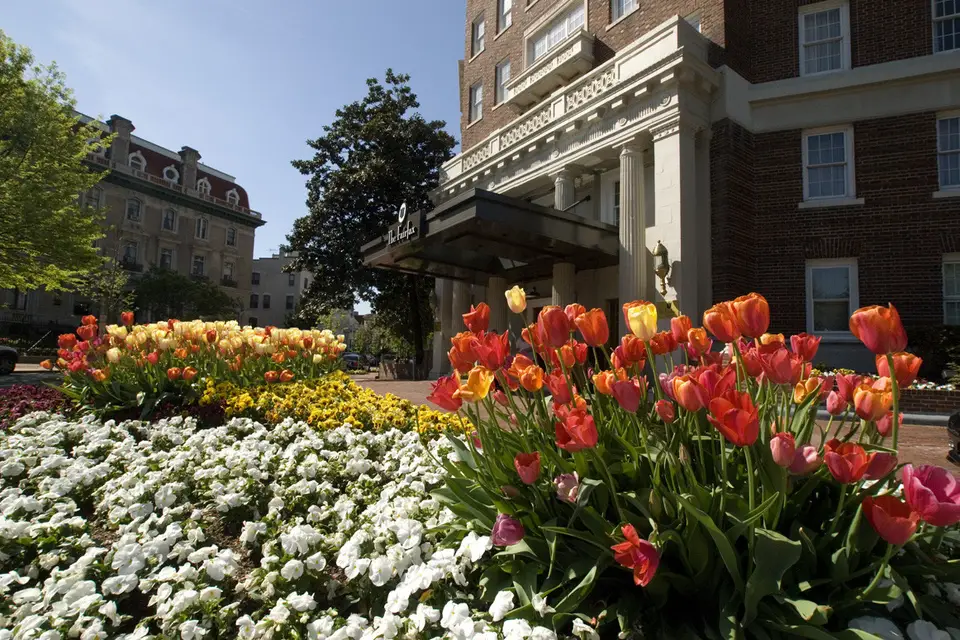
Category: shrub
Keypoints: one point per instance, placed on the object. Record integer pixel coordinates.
(18, 400)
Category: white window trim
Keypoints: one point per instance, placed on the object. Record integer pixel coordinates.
(226, 237)
(176, 174)
(474, 40)
(948, 258)
(497, 87)
(197, 226)
(933, 28)
(845, 57)
(176, 220)
(848, 154)
(470, 102)
(545, 22)
(627, 13)
(193, 260)
(235, 194)
(173, 257)
(233, 270)
(501, 13)
(126, 210)
(137, 154)
(953, 189)
(852, 265)
(203, 181)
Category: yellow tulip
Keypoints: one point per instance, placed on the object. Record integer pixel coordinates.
(477, 386)
(643, 320)
(516, 299)
(113, 354)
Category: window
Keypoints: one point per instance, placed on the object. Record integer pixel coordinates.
(556, 32)
(137, 161)
(231, 237)
(130, 250)
(93, 197)
(831, 295)
(197, 267)
(289, 303)
(504, 14)
(824, 37)
(620, 8)
(946, 25)
(951, 289)
(616, 203)
(948, 152)
(306, 283)
(228, 270)
(201, 228)
(828, 164)
(203, 185)
(233, 197)
(170, 220)
(254, 301)
(694, 21)
(291, 279)
(476, 102)
(133, 210)
(266, 301)
(20, 300)
(476, 36)
(503, 75)
(171, 174)
(255, 277)
(166, 258)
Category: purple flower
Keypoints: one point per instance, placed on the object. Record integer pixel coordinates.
(568, 487)
(506, 531)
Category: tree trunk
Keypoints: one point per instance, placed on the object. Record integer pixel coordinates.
(416, 326)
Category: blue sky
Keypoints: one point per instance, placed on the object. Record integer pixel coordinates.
(244, 82)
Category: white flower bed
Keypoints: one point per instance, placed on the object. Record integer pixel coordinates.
(139, 530)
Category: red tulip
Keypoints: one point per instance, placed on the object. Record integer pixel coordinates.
(173, 373)
(847, 461)
(879, 328)
(805, 346)
(576, 430)
(885, 424)
(88, 320)
(933, 493)
(782, 367)
(189, 373)
(805, 460)
(67, 341)
(442, 393)
(783, 447)
(639, 555)
(478, 318)
(127, 318)
(836, 405)
(271, 376)
(492, 349)
(881, 463)
(307, 340)
(662, 343)
(527, 466)
(680, 328)
(593, 327)
(905, 365)
(153, 357)
(88, 331)
(559, 388)
(752, 315)
(751, 362)
(734, 416)
(666, 410)
(76, 366)
(286, 375)
(574, 311)
(212, 337)
(721, 322)
(891, 518)
(689, 393)
(553, 326)
(847, 384)
(716, 384)
(627, 394)
(531, 335)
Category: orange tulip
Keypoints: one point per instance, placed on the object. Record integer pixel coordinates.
(689, 393)
(872, 401)
(663, 343)
(189, 373)
(271, 376)
(906, 366)
(698, 339)
(478, 318)
(735, 416)
(46, 364)
(752, 314)
(180, 353)
(553, 326)
(531, 378)
(100, 375)
(573, 312)
(680, 326)
(67, 341)
(593, 327)
(879, 328)
(605, 379)
(772, 338)
(286, 375)
(88, 331)
(278, 357)
(847, 461)
(631, 350)
(721, 322)
(174, 373)
(463, 354)
(88, 320)
(127, 318)
(805, 388)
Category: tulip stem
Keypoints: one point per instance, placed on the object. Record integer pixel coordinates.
(883, 566)
(896, 399)
(836, 516)
(751, 499)
(658, 392)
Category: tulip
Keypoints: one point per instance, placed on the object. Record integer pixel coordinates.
(516, 299)
(477, 385)
(662, 343)
(805, 346)
(173, 373)
(642, 320)
(46, 364)
(881, 463)
(847, 384)
(500, 398)
(189, 373)
(88, 320)
(100, 374)
(639, 555)
(573, 312)
(847, 461)
(750, 358)
(805, 388)
(576, 430)
(531, 335)
(605, 379)
(307, 340)
(127, 318)
(553, 326)
(153, 357)
(67, 341)
(463, 354)
(783, 447)
(885, 424)
(443, 393)
(527, 466)
(721, 322)
(87, 331)
(879, 328)
(506, 531)
(772, 338)
(559, 389)
(805, 460)
(212, 337)
(510, 491)
(631, 350)
(271, 376)
(735, 417)
(680, 327)
(891, 518)
(836, 405)
(716, 384)
(781, 366)
(568, 487)
(752, 314)
(76, 366)
(666, 410)
(564, 355)
(593, 327)
(113, 354)
(905, 365)
(531, 378)
(476, 320)
(627, 394)
(871, 403)
(699, 341)
(492, 349)
(286, 375)
(933, 493)
(689, 393)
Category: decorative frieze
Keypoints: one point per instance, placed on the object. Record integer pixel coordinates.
(527, 127)
(479, 156)
(592, 89)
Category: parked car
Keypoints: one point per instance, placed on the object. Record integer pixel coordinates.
(8, 360)
(353, 361)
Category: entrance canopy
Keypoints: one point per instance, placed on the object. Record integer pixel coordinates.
(479, 234)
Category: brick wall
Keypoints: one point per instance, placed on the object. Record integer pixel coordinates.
(929, 401)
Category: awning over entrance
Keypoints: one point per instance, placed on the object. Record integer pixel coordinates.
(479, 234)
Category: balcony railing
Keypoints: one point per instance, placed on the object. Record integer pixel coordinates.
(570, 58)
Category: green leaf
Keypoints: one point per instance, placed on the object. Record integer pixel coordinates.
(727, 553)
(773, 555)
(840, 565)
(737, 530)
(807, 631)
(599, 543)
(901, 582)
(810, 611)
(525, 582)
(576, 595)
(551, 537)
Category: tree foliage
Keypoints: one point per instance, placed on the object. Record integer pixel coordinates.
(164, 293)
(46, 236)
(378, 153)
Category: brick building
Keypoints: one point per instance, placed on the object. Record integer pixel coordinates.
(809, 151)
(161, 208)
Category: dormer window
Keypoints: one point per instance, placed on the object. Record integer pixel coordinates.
(137, 161)
(170, 174)
(233, 197)
(203, 185)
(556, 32)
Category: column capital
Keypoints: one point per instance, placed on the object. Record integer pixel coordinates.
(674, 126)
(568, 172)
(633, 146)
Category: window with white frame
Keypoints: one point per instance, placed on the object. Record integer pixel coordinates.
(169, 219)
(202, 228)
(231, 237)
(203, 185)
(503, 76)
(824, 37)
(620, 8)
(477, 34)
(198, 265)
(228, 270)
(166, 258)
(951, 289)
(556, 32)
(130, 251)
(171, 174)
(134, 210)
(828, 164)
(832, 295)
(504, 14)
(476, 102)
(137, 161)
(233, 197)
(946, 25)
(948, 151)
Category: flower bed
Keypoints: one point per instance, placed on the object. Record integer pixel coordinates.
(18, 400)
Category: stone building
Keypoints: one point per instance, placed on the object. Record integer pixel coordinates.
(275, 293)
(162, 208)
(809, 151)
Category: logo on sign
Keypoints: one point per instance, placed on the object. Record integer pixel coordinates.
(402, 231)
(402, 214)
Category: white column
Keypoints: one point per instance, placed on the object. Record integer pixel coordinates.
(564, 193)
(704, 209)
(564, 284)
(596, 196)
(461, 305)
(498, 303)
(633, 248)
(442, 333)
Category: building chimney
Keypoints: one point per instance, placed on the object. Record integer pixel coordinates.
(188, 167)
(120, 147)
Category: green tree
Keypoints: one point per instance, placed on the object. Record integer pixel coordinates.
(46, 237)
(377, 154)
(164, 293)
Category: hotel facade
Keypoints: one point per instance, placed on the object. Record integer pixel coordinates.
(809, 151)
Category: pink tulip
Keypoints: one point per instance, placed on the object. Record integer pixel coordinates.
(934, 493)
(783, 446)
(506, 531)
(881, 463)
(805, 460)
(666, 410)
(627, 394)
(568, 487)
(885, 424)
(836, 405)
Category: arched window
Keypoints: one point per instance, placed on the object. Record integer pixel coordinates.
(203, 185)
(134, 210)
(233, 197)
(137, 161)
(171, 174)
(202, 227)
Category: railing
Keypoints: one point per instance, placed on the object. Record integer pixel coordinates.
(15, 317)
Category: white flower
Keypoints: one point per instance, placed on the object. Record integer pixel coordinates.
(191, 629)
(245, 628)
(316, 562)
(279, 614)
(539, 604)
(208, 594)
(502, 604)
(292, 570)
(881, 627)
(516, 629)
(474, 546)
(302, 602)
(925, 630)
(953, 592)
(584, 631)
(380, 571)
(542, 633)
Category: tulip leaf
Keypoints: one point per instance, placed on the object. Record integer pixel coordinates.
(840, 565)
(737, 530)
(525, 582)
(943, 613)
(901, 582)
(550, 536)
(773, 555)
(576, 595)
(727, 553)
(447, 497)
(808, 631)
(600, 543)
(810, 611)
